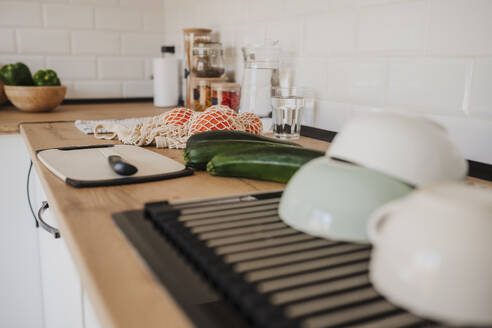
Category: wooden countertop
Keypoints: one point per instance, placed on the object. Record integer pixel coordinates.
(123, 290)
(11, 118)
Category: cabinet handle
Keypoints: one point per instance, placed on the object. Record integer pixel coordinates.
(29, 194)
(52, 230)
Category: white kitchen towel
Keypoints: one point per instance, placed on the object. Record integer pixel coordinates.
(87, 127)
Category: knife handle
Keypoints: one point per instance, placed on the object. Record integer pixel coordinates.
(120, 166)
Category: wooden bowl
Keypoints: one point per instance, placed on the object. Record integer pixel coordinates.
(3, 97)
(35, 99)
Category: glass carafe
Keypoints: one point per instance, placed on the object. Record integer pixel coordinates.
(261, 64)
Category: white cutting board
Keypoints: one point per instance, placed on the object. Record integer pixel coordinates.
(84, 167)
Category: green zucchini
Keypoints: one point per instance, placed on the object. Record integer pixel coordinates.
(269, 163)
(235, 135)
(199, 154)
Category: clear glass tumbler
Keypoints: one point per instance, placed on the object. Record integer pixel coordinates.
(287, 108)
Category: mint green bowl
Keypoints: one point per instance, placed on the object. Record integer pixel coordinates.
(333, 199)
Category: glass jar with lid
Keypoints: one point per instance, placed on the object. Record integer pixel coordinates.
(227, 94)
(191, 35)
(202, 92)
(208, 59)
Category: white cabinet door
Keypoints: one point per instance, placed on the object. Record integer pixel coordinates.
(20, 282)
(62, 290)
(90, 319)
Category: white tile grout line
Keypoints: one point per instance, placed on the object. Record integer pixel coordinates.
(427, 28)
(468, 84)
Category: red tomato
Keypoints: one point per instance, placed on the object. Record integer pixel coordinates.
(214, 119)
(177, 116)
(251, 122)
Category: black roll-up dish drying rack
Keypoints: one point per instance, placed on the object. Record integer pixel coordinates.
(256, 267)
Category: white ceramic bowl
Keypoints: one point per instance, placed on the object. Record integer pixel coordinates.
(412, 149)
(433, 253)
(334, 200)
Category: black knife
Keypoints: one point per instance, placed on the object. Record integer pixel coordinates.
(120, 166)
(117, 164)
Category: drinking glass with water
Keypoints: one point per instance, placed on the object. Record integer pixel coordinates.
(287, 108)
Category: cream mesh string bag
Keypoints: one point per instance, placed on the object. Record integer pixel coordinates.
(172, 129)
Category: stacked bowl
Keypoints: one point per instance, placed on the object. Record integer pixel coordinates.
(399, 182)
(374, 159)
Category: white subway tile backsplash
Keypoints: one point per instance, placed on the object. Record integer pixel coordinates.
(137, 89)
(311, 73)
(73, 67)
(171, 20)
(233, 11)
(357, 80)
(120, 68)
(207, 13)
(153, 21)
(369, 81)
(7, 43)
(460, 27)
(432, 56)
(254, 34)
(96, 89)
(20, 14)
(68, 16)
(141, 44)
(187, 13)
(95, 42)
(427, 84)
(52, 1)
(329, 34)
(124, 19)
(34, 63)
(148, 69)
(228, 37)
(265, 10)
(70, 89)
(289, 33)
(472, 136)
(104, 2)
(43, 41)
(480, 105)
(95, 2)
(66, 36)
(332, 115)
(364, 3)
(306, 7)
(155, 4)
(339, 79)
(394, 27)
(351, 4)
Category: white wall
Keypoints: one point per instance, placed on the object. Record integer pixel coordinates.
(100, 48)
(431, 57)
(418, 56)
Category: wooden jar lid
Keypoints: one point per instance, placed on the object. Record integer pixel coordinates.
(197, 30)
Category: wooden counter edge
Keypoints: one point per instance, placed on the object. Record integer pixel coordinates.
(11, 118)
(102, 308)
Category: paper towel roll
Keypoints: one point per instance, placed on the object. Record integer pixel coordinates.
(166, 91)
